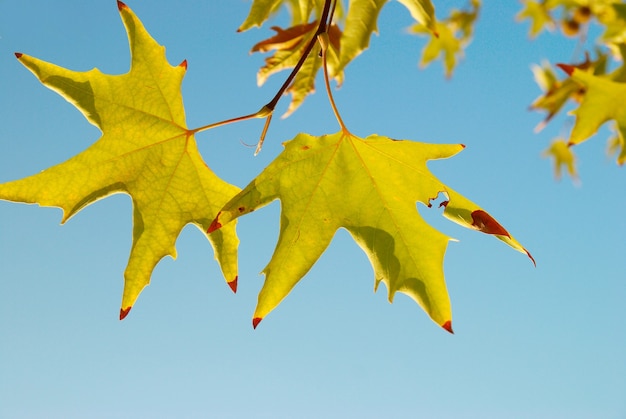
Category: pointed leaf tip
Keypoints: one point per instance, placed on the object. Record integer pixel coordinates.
(531, 257)
(569, 69)
(183, 64)
(124, 312)
(233, 284)
(18, 55)
(256, 321)
(121, 5)
(448, 326)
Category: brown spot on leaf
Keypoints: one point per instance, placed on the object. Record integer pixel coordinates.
(305, 147)
(487, 224)
(124, 312)
(215, 224)
(241, 209)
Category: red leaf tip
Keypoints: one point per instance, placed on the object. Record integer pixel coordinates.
(531, 257)
(569, 69)
(121, 5)
(183, 64)
(256, 321)
(233, 284)
(18, 55)
(124, 312)
(448, 326)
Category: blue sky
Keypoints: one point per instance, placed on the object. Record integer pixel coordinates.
(544, 342)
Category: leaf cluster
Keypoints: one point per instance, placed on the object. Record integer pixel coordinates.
(594, 85)
(369, 186)
(350, 32)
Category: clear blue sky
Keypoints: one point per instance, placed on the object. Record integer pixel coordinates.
(544, 342)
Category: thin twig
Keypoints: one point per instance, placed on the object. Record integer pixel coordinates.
(268, 109)
(321, 28)
(220, 123)
(271, 105)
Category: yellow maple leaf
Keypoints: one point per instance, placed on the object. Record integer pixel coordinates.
(370, 187)
(603, 102)
(539, 15)
(145, 151)
(449, 37)
(563, 157)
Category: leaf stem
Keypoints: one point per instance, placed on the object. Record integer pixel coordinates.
(321, 28)
(324, 42)
(271, 105)
(259, 114)
(268, 109)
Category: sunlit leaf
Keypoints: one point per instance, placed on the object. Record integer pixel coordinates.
(564, 158)
(146, 151)
(370, 187)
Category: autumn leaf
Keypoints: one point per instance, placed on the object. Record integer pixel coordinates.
(446, 45)
(370, 187)
(603, 101)
(361, 23)
(289, 46)
(573, 15)
(423, 12)
(286, 39)
(349, 37)
(449, 38)
(260, 11)
(538, 13)
(613, 16)
(145, 151)
(555, 94)
(564, 158)
(301, 10)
